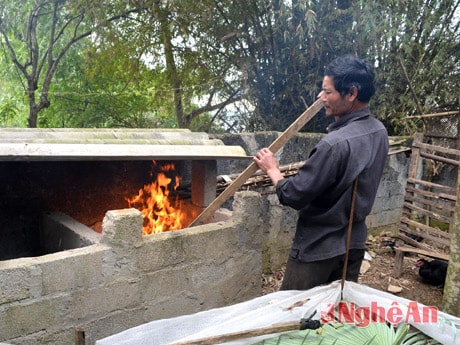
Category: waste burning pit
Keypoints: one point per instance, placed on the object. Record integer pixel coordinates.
(84, 173)
(85, 191)
(65, 194)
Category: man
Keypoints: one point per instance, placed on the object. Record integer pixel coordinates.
(355, 148)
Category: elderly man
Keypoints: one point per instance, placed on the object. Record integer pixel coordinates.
(355, 148)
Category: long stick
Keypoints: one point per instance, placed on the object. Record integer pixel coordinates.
(350, 228)
(295, 127)
(223, 338)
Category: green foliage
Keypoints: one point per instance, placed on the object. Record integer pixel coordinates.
(12, 108)
(37, 35)
(8, 111)
(347, 334)
(417, 54)
(413, 44)
(217, 65)
(101, 88)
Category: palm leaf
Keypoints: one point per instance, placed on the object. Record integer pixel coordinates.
(349, 334)
(418, 338)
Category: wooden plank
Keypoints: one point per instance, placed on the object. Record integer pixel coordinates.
(422, 211)
(451, 199)
(426, 202)
(402, 149)
(425, 227)
(447, 189)
(431, 254)
(306, 116)
(420, 198)
(427, 236)
(435, 148)
(399, 258)
(411, 241)
(402, 251)
(440, 158)
(415, 156)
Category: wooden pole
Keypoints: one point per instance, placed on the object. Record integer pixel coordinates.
(350, 229)
(293, 129)
(80, 336)
(446, 113)
(223, 338)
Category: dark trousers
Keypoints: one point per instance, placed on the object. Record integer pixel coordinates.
(306, 275)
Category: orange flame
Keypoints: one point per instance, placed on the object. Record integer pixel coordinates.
(159, 211)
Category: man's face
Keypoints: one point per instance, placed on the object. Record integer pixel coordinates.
(334, 104)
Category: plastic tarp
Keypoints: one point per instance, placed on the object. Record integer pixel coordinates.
(285, 306)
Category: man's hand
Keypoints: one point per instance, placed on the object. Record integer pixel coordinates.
(266, 161)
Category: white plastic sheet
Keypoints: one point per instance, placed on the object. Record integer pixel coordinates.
(446, 330)
(272, 309)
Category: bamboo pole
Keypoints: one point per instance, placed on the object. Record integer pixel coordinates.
(223, 338)
(446, 113)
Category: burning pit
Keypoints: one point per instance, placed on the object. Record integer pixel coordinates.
(59, 185)
(170, 176)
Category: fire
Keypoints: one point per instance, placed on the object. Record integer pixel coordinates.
(161, 212)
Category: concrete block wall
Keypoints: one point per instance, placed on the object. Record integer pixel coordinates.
(128, 279)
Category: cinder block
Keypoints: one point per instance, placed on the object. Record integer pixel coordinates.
(100, 300)
(27, 318)
(212, 243)
(160, 251)
(160, 285)
(122, 227)
(178, 303)
(19, 281)
(73, 269)
(112, 323)
(49, 336)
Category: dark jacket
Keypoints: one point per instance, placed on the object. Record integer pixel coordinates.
(355, 146)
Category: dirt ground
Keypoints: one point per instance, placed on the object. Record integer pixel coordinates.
(379, 275)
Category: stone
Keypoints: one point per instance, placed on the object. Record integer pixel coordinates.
(394, 288)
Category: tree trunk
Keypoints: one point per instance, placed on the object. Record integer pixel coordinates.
(33, 108)
(32, 119)
(173, 75)
(451, 297)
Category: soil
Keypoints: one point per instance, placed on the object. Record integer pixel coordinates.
(379, 275)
